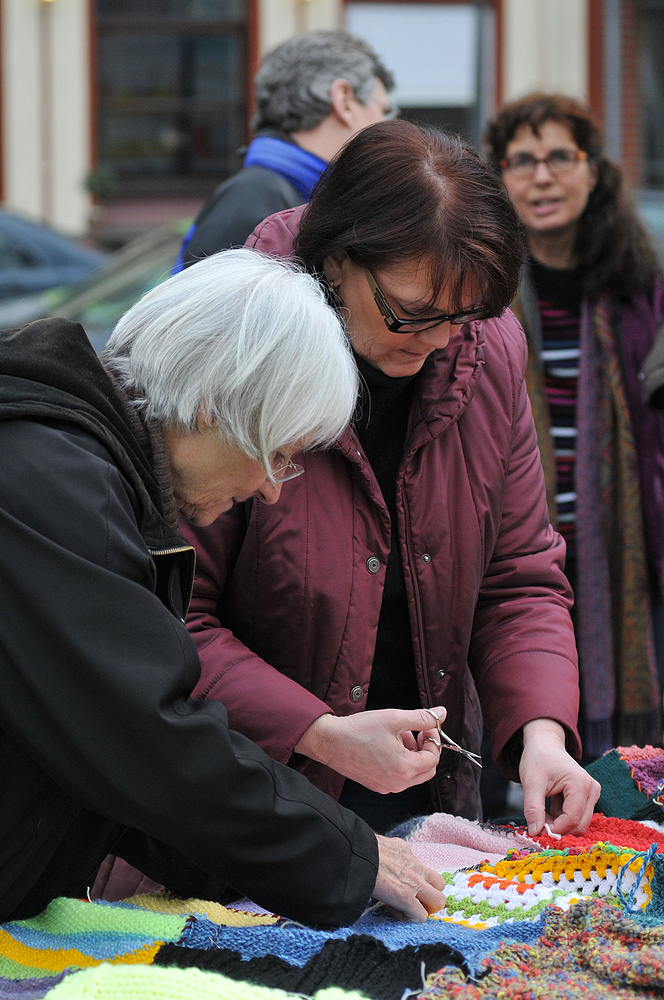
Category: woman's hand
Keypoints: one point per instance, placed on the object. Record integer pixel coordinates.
(547, 770)
(410, 890)
(377, 749)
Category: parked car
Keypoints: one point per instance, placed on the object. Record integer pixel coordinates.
(34, 257)
(98, 304)
(650, 205)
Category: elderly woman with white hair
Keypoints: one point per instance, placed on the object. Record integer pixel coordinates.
(207, 387)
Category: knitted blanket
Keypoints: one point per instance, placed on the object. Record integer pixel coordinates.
(590, 952)
(511, 902)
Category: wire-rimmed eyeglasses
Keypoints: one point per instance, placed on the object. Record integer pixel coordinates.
(396, 325)
(558, 161)
(283, 469)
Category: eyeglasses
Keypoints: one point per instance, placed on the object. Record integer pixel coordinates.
(390, 112)
(558, 161)
(283, 468)
(396, 325)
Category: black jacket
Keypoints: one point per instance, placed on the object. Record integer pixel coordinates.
(237, 206)
(101, 747)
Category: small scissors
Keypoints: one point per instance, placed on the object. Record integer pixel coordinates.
(450, 744)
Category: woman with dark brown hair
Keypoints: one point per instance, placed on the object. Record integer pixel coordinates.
(590, 302)
(413, 565)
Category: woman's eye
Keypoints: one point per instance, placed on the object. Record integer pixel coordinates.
(522, 160)
(560, 157)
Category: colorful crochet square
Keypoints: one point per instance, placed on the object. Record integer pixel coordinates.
(589, 952)
(519, 888)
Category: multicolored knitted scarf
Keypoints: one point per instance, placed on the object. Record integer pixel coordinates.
(619, 684)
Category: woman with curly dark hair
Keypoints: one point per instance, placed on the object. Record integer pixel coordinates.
(590, 302)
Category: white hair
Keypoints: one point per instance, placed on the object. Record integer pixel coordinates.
(246, 342)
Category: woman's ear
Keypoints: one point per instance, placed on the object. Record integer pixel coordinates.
(333, 268)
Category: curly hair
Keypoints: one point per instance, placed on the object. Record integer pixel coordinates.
(398, 193)
(614, 251)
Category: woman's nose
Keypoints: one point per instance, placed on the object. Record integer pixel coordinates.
(543, 173)
(269, 492)
(437, 337)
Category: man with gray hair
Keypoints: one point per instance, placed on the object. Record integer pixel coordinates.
(312, 93)
(208, 386)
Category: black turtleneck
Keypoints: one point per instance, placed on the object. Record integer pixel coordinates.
(381, 422)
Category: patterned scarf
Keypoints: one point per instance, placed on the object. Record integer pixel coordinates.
(619, 685)
(614, 620)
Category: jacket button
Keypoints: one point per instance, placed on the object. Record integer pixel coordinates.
(426, 558)
(447, 775)
(356, 693)
(373, 564)
(441, 673)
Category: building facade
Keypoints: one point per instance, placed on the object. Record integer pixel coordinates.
(132, 110)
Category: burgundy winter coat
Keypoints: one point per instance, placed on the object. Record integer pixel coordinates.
(287, 597)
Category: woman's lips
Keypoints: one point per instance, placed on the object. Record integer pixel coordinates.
(544, 206)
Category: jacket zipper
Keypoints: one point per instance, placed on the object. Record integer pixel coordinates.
(175, 550)
(418, 612)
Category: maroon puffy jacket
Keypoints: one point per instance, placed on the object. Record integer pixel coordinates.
(287, 597)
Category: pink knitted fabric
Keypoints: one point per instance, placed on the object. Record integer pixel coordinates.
(633, 753)
(449, 843)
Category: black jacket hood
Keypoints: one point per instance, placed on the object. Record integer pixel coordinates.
(49, 370)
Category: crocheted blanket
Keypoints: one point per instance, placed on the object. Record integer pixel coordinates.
(570, 917)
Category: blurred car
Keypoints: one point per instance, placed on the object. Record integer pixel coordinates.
(34, 257)
(650, 205)
(100, 302)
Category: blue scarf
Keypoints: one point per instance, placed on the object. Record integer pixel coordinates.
(296, 165)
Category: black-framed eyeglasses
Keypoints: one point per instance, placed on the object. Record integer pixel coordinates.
(558, 161)
(396, 325)
(283, 469)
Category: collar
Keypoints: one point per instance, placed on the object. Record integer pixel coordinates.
(299, 167)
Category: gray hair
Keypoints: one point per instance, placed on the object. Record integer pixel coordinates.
(248, 342)
(292, 85)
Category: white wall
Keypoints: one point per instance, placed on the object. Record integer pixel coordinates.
(46, 110)
(545, 47)
(545, 41)
(279, 19)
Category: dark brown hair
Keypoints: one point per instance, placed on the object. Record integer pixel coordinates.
(614, 252)
(401, 193)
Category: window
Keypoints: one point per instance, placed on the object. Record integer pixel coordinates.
(432, 49)
(171, 89)
(652, 77)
